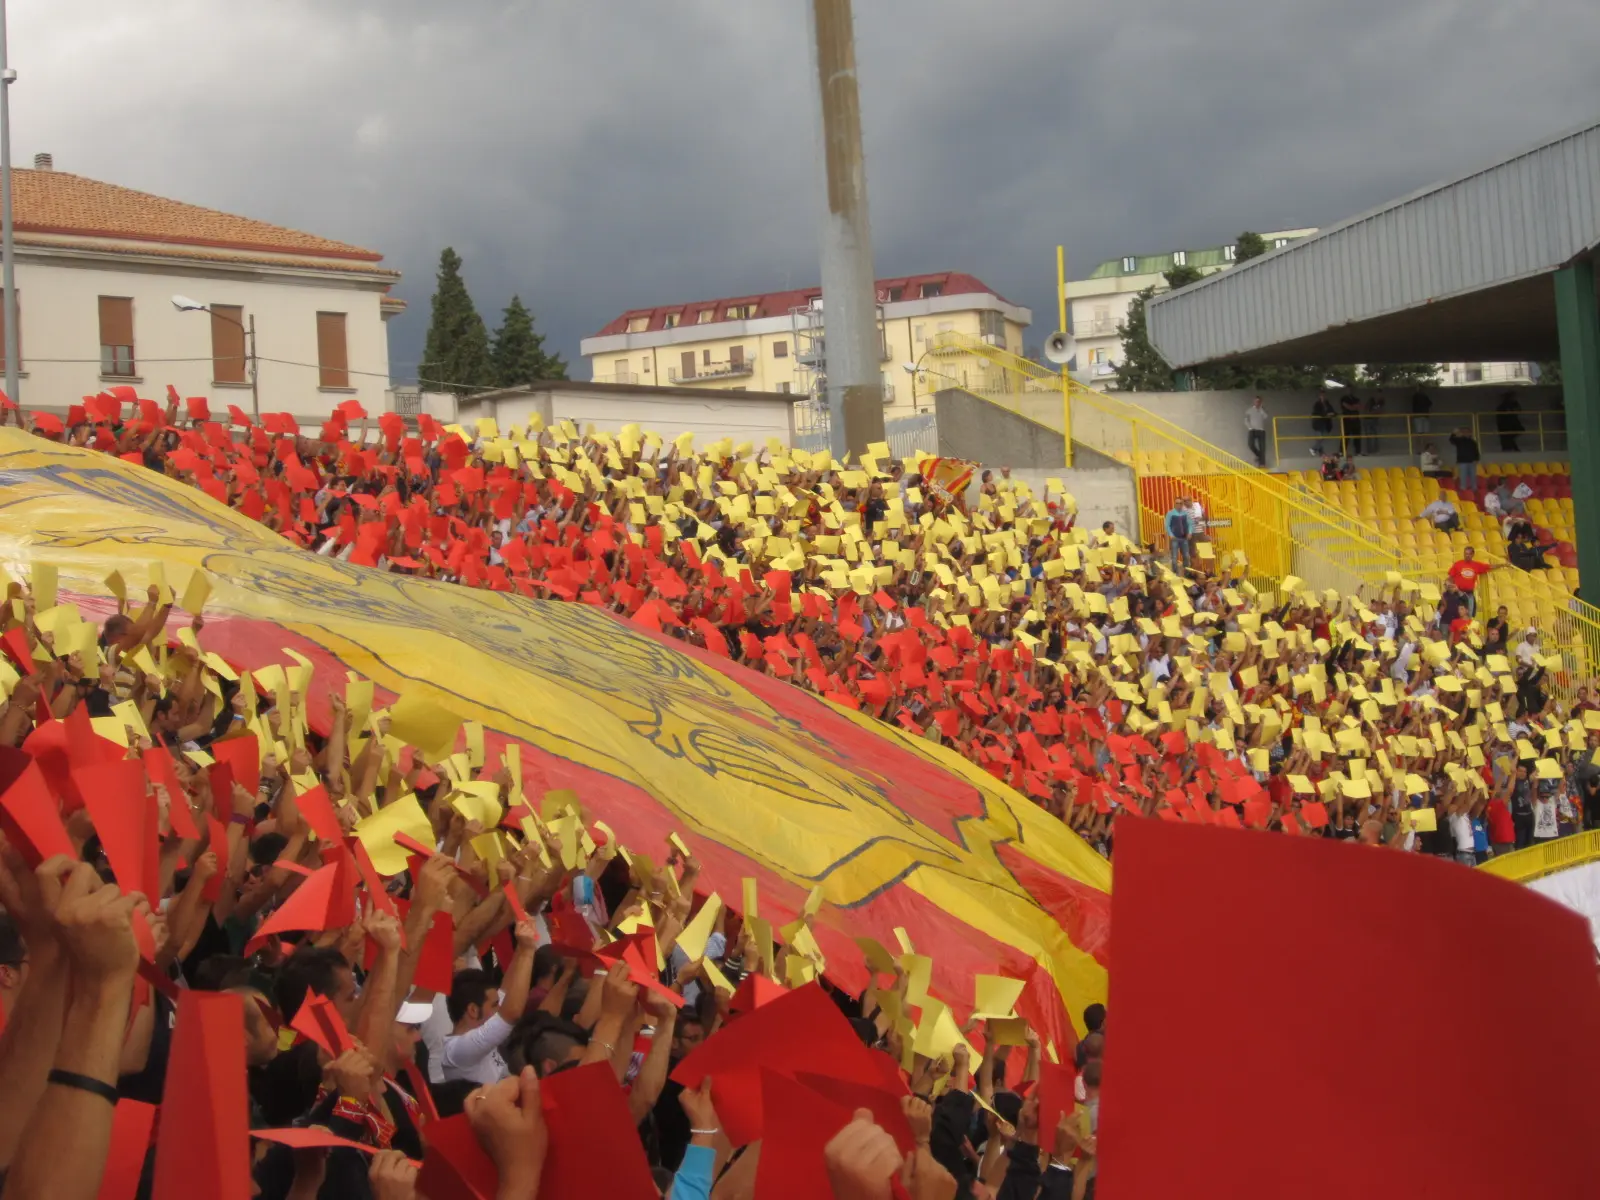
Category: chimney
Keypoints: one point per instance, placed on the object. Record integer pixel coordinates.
(43, 162)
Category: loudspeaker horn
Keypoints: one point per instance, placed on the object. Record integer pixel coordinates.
(1060, 347)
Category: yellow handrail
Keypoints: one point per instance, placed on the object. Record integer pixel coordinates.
(1549, 426)
(1313, 539)
(1520, 866)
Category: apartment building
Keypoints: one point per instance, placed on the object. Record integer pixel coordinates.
(777, 341)
(101, 271)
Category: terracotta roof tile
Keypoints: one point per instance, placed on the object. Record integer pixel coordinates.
(779, 304)
(202, 254)
(62, 203)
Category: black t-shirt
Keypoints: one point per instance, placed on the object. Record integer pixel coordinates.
(147, 1085)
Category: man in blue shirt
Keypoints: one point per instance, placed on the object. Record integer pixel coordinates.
(1180, 532)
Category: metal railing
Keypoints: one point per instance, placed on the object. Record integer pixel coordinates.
(1522, 866)
(618, 377)
(1543, 431)
(715, 370)
(1283, 527)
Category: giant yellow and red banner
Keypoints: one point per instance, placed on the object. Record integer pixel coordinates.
(654, 736)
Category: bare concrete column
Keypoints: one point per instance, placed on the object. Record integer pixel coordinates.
(849, 289)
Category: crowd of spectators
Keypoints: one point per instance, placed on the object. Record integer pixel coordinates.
(1080, 667)
(218, 919)
(204, 910)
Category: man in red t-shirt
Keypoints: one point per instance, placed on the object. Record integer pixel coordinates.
(1465, 575)
(1502, 831)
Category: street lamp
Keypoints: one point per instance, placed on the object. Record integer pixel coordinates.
(914, 369)
(184, 304)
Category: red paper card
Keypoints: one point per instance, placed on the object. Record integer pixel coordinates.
(29, 815)
(587, 1112)
(130, 1145)
(203, 1145)
(319, 1020)
(802, 1031)
(454, 1166)
(1451, 948)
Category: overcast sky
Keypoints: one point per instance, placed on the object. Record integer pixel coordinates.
(598, 156)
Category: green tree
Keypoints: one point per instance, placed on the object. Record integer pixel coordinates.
(1412, 375)
(519, 356)
(456, 355)
(1247, 246)
(1142, 368)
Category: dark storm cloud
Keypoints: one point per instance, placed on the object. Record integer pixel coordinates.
(597, 156)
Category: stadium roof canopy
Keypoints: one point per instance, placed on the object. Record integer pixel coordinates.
(1457, 272)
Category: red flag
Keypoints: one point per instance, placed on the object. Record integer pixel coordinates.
(1444, 949)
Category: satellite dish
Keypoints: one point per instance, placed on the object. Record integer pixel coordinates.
(1060, 347)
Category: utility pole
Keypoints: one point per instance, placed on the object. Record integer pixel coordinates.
(853, 349)
(8, 250)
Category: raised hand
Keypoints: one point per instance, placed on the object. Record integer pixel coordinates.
(862, 1160)
(510, 1127)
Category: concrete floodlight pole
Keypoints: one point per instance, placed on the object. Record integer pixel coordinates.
(852, 349)
(7, 249)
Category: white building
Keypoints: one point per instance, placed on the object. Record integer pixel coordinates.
(1098, 304)
(97, 269)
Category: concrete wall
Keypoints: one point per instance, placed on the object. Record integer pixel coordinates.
(985, 433)
(709, 416)
(1218, 417)
(59, 326)
(1103, 494)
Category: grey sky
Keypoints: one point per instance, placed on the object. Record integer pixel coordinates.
(596, 156)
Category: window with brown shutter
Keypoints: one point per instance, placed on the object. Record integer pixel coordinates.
(332, 356)
(116, 335)
(227, 343)
(780, 349)
(736, 356)
(3, 331)
(688, 364)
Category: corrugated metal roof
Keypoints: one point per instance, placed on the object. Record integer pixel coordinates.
(1525, 216)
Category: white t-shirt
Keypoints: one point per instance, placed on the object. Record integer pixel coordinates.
(1544, 817)
(1461, 830)
(475, 1055)
(434, 1031)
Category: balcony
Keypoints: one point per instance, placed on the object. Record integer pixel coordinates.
(1096, 327)
(618, 377)
(709, 371)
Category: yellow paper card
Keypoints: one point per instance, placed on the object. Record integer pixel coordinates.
(44, 580)
(420, 722)
(996, 996)
(377, 834)
(750, 891)
(196, 593)
(692, 941)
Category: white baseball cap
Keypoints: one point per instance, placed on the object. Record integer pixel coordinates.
(413, 1012)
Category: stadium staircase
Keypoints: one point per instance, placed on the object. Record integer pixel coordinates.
(1348, 536)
